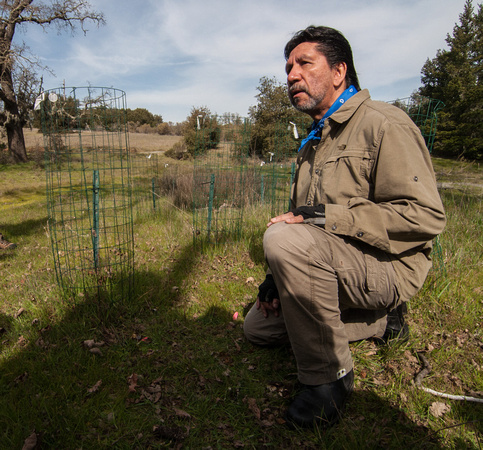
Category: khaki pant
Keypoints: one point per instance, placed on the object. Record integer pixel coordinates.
(332, 290)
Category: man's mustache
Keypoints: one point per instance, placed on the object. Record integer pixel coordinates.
(297, 88)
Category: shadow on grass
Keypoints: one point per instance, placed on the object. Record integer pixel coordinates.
(25, 228)
(373, 422)
(156, 375)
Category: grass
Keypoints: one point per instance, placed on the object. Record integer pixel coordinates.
(171, 369)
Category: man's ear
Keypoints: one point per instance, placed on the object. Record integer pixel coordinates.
(339, 72)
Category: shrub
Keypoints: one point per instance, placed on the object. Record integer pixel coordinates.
(178, 151)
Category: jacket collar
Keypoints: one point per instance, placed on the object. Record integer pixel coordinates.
(345, 112)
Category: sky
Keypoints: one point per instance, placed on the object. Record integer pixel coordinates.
(169, 56)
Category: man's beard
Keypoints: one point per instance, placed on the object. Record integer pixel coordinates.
(306, 106)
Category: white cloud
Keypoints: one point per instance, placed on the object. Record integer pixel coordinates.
(170, 55)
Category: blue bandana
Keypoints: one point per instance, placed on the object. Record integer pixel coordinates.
(316, 127)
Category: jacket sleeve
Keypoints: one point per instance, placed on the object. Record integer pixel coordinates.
(404, 211)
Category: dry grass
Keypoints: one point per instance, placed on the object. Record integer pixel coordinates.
(141, 142)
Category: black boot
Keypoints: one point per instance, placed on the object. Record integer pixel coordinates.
(321, 404)
(396, 327)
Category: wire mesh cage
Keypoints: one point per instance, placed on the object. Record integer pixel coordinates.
(89, 193)
(424, 113)
(237, 167)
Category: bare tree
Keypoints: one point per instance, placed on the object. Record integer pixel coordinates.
(68, 14)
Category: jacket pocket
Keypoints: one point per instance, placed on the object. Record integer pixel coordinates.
(380, 281)
(347, 173)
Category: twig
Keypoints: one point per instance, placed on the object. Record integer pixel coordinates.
(426, 371)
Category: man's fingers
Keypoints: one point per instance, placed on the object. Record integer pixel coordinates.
(281, 218)
(295, 219)
(268, 307)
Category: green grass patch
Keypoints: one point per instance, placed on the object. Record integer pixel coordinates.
(170, 367)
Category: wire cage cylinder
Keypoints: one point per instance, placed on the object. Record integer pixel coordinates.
(89, 190)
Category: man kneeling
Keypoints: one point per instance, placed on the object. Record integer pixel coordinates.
(356, 244)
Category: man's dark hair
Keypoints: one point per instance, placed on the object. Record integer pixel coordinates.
(332, 44)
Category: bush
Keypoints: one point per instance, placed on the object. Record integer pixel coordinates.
(201, 131)
(164, 129)
(178, 151)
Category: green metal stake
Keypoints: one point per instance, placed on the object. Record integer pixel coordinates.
(292, 176)
(210, 204)
(95, 219)
(274, 185)
(262, 193)
(154, 193)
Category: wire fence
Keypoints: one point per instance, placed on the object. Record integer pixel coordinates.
(89, 197)
(424, 113)
(231, 178)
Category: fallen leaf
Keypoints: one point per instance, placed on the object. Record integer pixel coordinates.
(19, 313)
(250, 280)
(252, 404)
(181, 413)
(438, 409)
(133, 382)
(95, 388)
(267, 423)
(91, 343)
(31, 442)
(96, 351)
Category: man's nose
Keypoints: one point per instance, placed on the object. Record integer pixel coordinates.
(293, 76)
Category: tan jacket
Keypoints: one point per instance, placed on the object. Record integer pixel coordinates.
(373, 172)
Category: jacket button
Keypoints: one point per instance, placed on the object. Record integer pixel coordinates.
(360, 234)
(415, 178)
(317, 171)
(334, 227)
(309, 203)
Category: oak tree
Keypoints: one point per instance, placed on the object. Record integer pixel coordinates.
(67, 14)
(273, 118)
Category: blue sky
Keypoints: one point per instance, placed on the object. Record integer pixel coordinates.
(171, 55)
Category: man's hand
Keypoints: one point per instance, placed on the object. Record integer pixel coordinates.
(310, 214)
(287, 218)
(268, 307)
(267, 299)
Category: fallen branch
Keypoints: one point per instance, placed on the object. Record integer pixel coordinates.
(426, 371)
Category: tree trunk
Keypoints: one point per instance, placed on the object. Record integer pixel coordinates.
(16, 141)
(13, 123)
